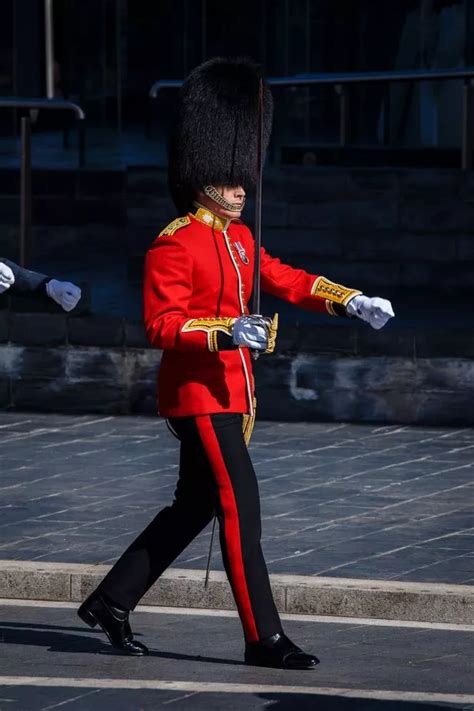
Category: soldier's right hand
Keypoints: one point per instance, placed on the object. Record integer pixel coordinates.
(251, 331)
(7, 278)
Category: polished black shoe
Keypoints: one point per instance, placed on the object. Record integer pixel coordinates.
(114, 622)
(278, 651)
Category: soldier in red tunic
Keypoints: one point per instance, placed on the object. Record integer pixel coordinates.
(198, 282)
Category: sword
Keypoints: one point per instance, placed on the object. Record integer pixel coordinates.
(208, 568)
(258, 210)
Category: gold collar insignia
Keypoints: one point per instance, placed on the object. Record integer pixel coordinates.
(210, 218)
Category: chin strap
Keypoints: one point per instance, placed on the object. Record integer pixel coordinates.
(215, 195)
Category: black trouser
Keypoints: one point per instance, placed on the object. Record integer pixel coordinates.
(215, 475)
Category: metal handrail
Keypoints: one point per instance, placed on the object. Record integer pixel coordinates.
(371, 77)
(164, 84)
(25, 103)
(25, 170)
(341, 80)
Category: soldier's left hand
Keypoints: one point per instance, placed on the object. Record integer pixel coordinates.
(7, 278)
(375, 311)
(63, 293)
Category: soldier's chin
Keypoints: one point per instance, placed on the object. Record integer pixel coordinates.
(234, 213)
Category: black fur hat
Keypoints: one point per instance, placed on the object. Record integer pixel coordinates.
(215, 138)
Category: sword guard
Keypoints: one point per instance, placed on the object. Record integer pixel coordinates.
(271, 324)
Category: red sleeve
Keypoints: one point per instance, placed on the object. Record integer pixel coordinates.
(310, 291)
(288, 283)
(167, 290)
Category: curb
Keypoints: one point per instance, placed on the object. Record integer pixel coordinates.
(297, 594)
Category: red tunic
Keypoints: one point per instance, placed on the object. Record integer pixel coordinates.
(198, 279)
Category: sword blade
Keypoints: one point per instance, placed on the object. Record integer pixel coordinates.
(258, 204)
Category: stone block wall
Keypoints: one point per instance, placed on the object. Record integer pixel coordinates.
(404, 234)
(389, 228)
(346, 373)
(385, 227)
(55, 363)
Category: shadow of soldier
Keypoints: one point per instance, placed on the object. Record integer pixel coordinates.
(321, 702)
(59, 638)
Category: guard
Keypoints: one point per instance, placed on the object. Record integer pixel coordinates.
(198, 281)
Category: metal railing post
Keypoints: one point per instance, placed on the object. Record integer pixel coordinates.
(25, 190)
(81, 130)
(49, 47)
(467, 126)
(34, 106)
(118, 63)
(387, 108)
(343, 113)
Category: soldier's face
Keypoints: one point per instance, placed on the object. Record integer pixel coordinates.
(234, 195)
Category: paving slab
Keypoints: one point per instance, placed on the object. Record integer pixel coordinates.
(50, 659)
(358, 501)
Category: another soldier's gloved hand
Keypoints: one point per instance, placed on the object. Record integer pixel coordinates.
(63, 293)
(7, 278)
(251, 331)
(375, 311)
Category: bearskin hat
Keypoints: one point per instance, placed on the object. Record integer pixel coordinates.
(215, 137)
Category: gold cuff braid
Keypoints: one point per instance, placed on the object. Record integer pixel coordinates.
(211, 326)
(333, 293)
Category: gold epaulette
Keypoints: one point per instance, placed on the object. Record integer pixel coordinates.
(332, 292)
(175, 225)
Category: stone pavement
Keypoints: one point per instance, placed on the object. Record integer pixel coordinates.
(390, 503)
(196, 663)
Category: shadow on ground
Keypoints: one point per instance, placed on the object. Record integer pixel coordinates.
(61, 639)
(316, 702)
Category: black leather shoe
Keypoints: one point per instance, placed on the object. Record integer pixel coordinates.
(278, 651)
(114, 622)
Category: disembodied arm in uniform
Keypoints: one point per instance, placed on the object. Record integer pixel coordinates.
(21, 281)
(18, 280)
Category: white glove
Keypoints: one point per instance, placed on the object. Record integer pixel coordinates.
(251, 331)
(7, 278)
(63, 293)
(375, 311)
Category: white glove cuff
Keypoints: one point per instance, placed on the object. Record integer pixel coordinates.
(353, 307)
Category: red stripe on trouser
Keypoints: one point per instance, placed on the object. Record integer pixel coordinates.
(231, 525)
